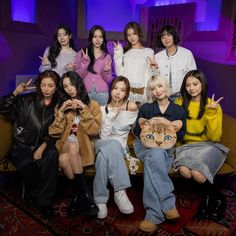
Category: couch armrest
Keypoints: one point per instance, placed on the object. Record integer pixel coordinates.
(229, 140)
(6, 136)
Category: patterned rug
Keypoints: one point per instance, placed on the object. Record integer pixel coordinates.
(17, 217)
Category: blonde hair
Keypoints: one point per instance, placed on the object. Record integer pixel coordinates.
(154, 81)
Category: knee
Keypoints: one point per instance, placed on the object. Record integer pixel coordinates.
(199, 177)
(113, 144)
(185, 172)
(64, 160)
(74, 148)
(110, 150)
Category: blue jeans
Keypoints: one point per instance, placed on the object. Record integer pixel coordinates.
(110, 166)
(101, 97)
(158, 187)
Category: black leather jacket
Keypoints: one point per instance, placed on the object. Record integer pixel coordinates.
(31, 119)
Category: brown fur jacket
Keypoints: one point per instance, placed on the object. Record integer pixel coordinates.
(89, 126)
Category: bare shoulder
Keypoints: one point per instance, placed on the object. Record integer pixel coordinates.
(132, 106)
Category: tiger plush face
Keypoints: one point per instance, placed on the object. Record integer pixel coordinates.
(159, 132)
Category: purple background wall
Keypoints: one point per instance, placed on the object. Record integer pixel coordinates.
(20, 46)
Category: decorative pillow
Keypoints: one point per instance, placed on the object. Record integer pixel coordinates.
(159, 132)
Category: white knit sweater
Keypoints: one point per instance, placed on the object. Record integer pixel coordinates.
(134, 65)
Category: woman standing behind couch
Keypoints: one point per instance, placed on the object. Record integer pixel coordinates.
(60, 56)
(93, 64)
(133, 61)
(202, 155)
(33, 152)
(77, 122)
(117, 118)
(174, 61)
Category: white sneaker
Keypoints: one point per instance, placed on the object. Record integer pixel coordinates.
(102, 210)
(123, 202)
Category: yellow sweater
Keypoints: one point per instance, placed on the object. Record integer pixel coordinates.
(208, 128)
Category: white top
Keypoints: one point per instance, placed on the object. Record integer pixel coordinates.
(62, 59)
(117, 125)
(134, 65)
(175, 67)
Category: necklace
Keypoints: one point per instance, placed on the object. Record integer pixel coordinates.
(172, 54)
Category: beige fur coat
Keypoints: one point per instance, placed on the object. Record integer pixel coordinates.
(89, 126)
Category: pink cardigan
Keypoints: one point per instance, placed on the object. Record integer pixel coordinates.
(101, 79)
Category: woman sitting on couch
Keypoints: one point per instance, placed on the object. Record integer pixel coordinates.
(33, 152)
(202, 154)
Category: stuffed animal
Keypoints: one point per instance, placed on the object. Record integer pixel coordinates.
(159, 132)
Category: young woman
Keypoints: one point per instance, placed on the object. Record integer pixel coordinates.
(77, 121)
(202, 155)
(174, 61)
(158, 197)
(93, 64)
(117, 118)
(33, 152)
(132, 62)
(60, 56)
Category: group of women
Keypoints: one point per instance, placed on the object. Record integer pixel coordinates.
(83, 116)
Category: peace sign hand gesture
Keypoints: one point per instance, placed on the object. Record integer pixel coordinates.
(214, 104)
(107, 65)
(45, 60)
(85, 53)
(116, 45)
(22, 87)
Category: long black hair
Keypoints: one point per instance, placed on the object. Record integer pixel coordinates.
(187, 97)
(90, 46)
(55, 47)
(75, 80)
(169, 29)
(137, 30)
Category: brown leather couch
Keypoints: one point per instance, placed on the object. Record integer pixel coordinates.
(228, 139)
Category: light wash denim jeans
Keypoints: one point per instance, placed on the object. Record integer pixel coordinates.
(110, 166)
(158, 187)
(101, 98)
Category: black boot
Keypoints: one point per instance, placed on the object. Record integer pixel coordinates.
(213, 204)
(88, 205)
(73, 207)
(202, 210)
(217, 206)
(82, 200)
(86, 202)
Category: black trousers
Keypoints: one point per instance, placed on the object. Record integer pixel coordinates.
(40, 176)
